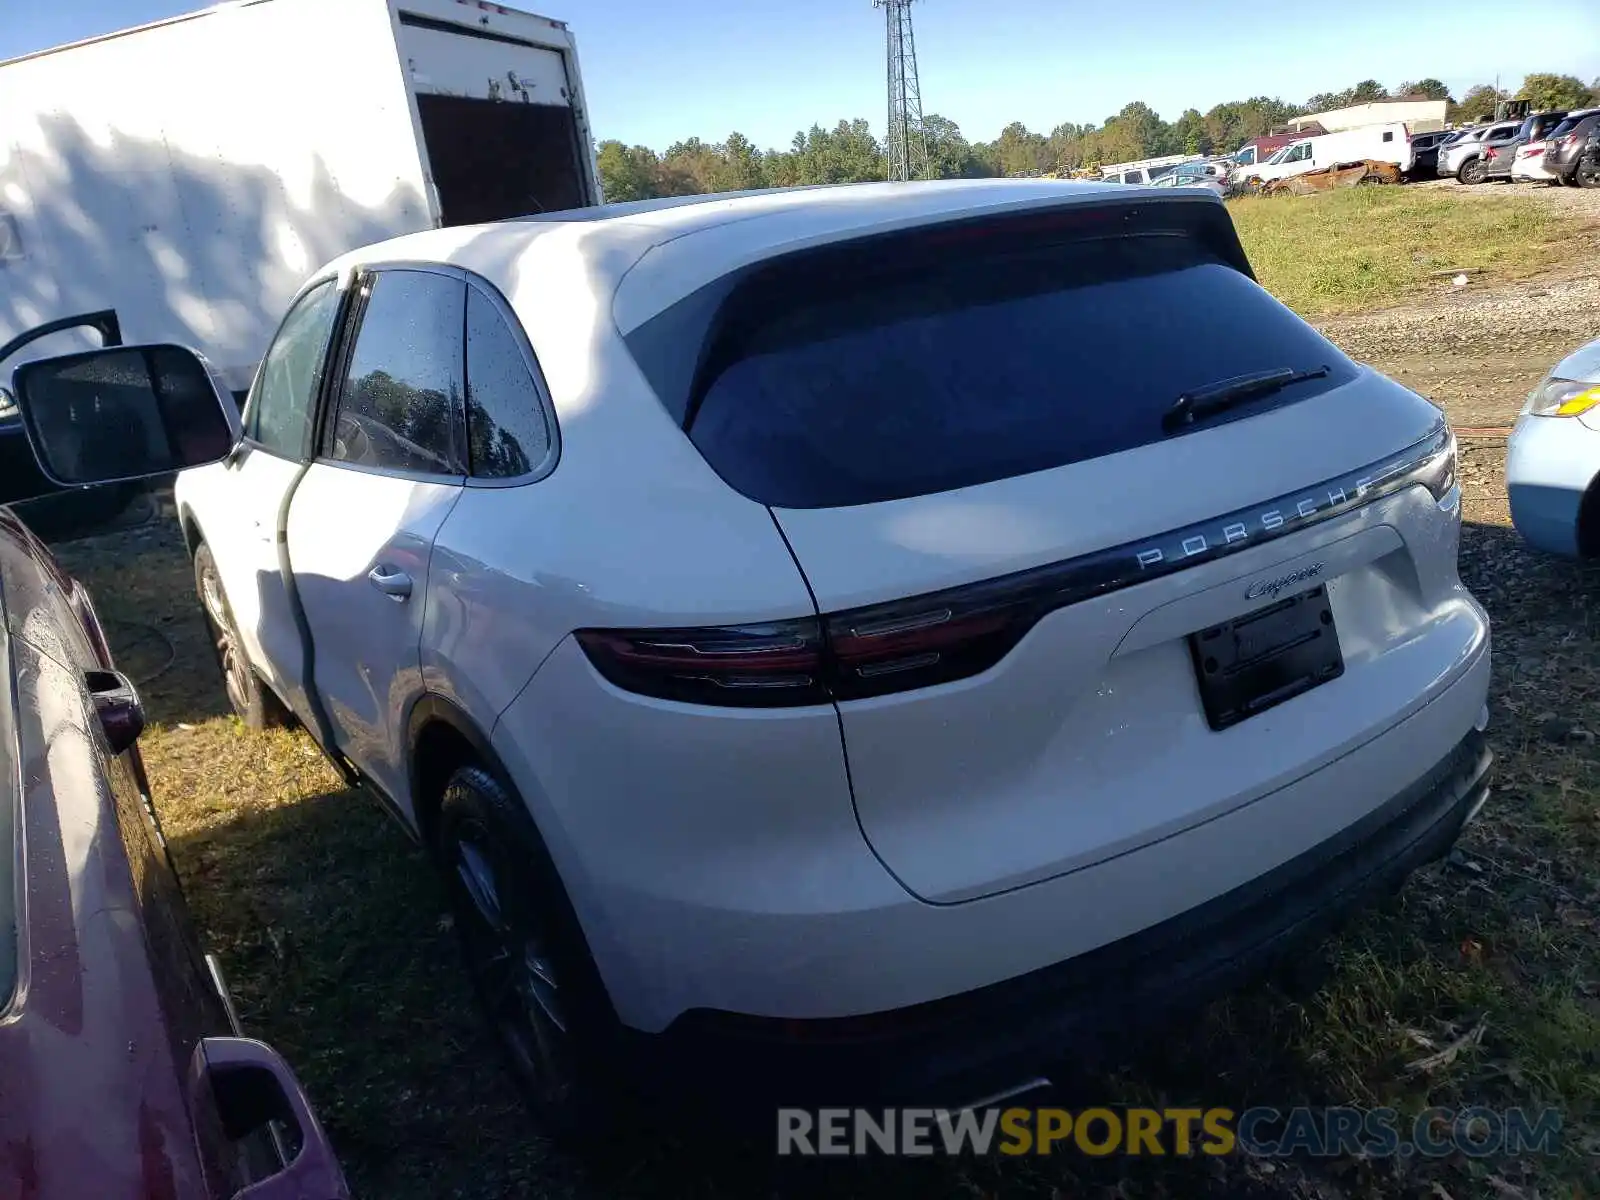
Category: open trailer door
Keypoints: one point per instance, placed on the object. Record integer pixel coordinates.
(499, 105)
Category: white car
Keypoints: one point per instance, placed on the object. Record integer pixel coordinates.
(1553, 459)
(864, 641)
(1212, 176)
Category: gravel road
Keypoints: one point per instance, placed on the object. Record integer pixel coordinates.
(1478, 350)
(1580, 202)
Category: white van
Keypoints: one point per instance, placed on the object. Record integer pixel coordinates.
(1380, 143)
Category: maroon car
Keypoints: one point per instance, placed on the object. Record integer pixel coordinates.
(122, 1072)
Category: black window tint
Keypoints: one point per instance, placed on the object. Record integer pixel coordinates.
(286, 386)
(403, 387)
(843, 386)
(1388, 135)
(506, 431)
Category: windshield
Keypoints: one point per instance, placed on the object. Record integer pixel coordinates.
(1279, 155)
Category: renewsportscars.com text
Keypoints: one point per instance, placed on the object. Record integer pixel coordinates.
(1262, 1132)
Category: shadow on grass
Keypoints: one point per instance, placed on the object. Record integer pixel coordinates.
(333, 931)
(138, 573)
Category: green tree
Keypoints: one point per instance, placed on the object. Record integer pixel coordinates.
(742, 166)
(1018, 151)
(950, 156)
(628, 172)
(1429, 87)
(847, 153)
(1368, 91)
(689, 168)
(1068, 146)
(1555, 91)
(1478, 104)
(1189, 134)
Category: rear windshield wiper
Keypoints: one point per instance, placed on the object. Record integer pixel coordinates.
(1218, 397)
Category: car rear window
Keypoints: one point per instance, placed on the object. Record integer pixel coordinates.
(882, 372)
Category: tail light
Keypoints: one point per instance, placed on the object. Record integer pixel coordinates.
(748, 666)
(944, 636)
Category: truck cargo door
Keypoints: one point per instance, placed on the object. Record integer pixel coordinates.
(499, 126)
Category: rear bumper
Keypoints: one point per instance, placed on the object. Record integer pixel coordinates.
(993, 1041)
(1531, 170)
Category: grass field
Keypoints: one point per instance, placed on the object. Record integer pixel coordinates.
(1479, 985)
(1366, 246)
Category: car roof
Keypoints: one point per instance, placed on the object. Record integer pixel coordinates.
(643, 256)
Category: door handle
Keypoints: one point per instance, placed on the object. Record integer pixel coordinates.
(394, 584)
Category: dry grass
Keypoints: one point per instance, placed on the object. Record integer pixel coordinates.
(1366, 246)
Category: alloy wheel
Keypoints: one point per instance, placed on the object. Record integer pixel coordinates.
(512, 969)
(226, 642)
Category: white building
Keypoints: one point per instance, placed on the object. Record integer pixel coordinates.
(1419, 115)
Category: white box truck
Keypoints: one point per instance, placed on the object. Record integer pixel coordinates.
(189, 174)
(1379, 143)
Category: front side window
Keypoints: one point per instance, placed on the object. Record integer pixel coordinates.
(507, 434)
(403, 389)
(285, 392)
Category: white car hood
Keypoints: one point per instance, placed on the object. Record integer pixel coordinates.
(1582, 364)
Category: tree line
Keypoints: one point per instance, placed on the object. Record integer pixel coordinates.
(849, 153)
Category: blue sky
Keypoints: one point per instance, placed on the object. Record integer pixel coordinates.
(660, 70)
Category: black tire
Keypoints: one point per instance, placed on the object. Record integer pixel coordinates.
(526, 956)
(1587, 174)
(254, 702)
(1473, 171)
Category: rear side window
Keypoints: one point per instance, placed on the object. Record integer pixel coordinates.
(402, 393)
(507, 436)
(859, 378)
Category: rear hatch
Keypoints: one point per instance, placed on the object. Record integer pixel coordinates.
(971, 439)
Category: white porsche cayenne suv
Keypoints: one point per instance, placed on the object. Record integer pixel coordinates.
(875, 640)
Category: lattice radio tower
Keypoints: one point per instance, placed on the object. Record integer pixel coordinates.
(907, 147)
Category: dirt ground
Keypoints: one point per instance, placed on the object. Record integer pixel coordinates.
(333, 937)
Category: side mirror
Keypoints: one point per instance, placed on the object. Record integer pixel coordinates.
(124, 413)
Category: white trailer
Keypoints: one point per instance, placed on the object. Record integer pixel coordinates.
(190, 173)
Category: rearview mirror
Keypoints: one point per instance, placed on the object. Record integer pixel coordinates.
(124, 413)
